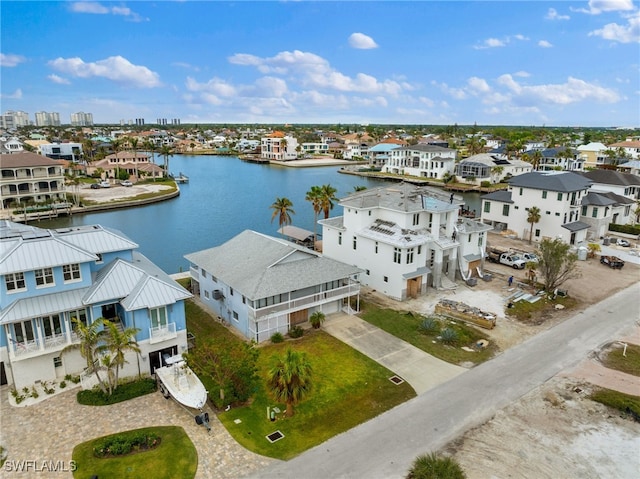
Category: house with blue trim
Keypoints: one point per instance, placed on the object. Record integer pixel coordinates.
(48, 277)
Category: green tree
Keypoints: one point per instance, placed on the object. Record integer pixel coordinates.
(166, 152)
(117, 146)
(496, 171)
(532, 218)
(432, 466)
(290, 378)
(117, 342)
(231, 365)
(327, 199)
(314, 196)
(317, 319)
(90, 337)
(359, 188)
(556, 263)
(283, 209)
(134, 146)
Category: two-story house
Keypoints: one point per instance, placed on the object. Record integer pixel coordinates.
(557, 194)
(427, 161)
(404, 237)
(492, 168)
(279, 147)
(630, 147)
(136, 163)
(50, 277)
(563, 158)
(262, 285)
(30, 178)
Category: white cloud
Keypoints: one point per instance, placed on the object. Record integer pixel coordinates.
(596, 7)
(478, 84)
(58, 79)
(11, 60)
(216, 86)
(552, 14)
(362, 41)
(629, 33)
(188, 66)
(455, 93)
(521, 74)
(520, 37)
(544, 44)
(116, 68)
(490, 43)
(16, 95)
(97, 8)
(572, 91)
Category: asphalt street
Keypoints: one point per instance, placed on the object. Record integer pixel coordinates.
(386, 446)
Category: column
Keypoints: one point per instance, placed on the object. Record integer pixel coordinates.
(453, 259)
(437, 268)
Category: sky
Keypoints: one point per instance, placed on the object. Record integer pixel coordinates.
(559, 63)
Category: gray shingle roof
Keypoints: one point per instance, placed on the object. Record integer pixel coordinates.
(596, 199)
(424, 147)
(259, 266)
(503, 196)
(611, 177)
(576, 226)
(560, 181)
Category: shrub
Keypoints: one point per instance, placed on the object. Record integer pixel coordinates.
(431, 466)
(296, 332)
(449, 336)
(485, 184)
(629, 229)
(125, 443)
(124, 392)
(277, 337)
(63, 384)
(317, 319)
(429, 326)
(34, 393)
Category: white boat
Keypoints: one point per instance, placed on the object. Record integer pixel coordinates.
(176, 379)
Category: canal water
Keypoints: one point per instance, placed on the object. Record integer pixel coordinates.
(224, 197)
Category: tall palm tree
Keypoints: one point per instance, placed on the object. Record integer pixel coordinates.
(116, 344)
(533, 218)
(283, 209)
(90, 337)
(165, 152)
(290, 378)
(536, 158)
(117, 146)
(328, 196)
(314, 195)
(497, 171)
(134, 145)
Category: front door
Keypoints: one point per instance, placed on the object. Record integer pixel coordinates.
(298, 317)
(414, 287)
(3, 374)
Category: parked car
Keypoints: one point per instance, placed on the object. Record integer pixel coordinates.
(612, 262)
(529, 257)
(95, 186)
(126, 183)
(622, 242)
(105, 184)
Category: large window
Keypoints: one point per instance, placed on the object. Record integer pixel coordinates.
(594, 213)
(396, 255)
(24, 331)
(505, 210)
(80, 315)
(158, 317)
(15, 282)
(409, 255)
(51, 325)
(71, 272)
(416, 219)
(44, 277)
(487, 206)
(544, 194)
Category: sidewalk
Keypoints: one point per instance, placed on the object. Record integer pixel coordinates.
(421, 370)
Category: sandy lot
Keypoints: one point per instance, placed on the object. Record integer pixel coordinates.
(118, 192)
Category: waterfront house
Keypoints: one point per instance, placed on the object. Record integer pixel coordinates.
(28, 178)
(623, 184)
(9, 146)
(405, 238)
(279, 147)
(561, 158)
(426, 161)
(630, 147)
(136, 164)
(262, 285)
(379, 154)
(49, 277)
(486, 167)
(557, 194)
(592, 154)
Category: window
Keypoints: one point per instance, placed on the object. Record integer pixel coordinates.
(505, 210)
(158, 317)
(214, 278)
(416, 219)
(367, 272)
(419, 249)
(547, 212)
(480, 238)
(386, 279)
(204, 274)
(537, 233)
(487, 206)
(44, 277)
(355, 242)
(340, 237)
(369, 212)
(376, 247)
(594, 213)
(206, 294)
(71, 272)
(57, 362)
(24, 331)
(396, 255)
(15, 282)
(51, 325)
(584, 211)
(80, 315)
(558, 214)
(409, 255)
(520, 191)
(469, 238)
(230, 291)
(560, 196)
(544, 194)
(100, 260)
(244, 300)
(235, 316)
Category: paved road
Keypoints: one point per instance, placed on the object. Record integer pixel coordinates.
(386, 446)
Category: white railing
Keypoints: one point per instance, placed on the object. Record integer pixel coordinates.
(20, 348)
(313, 299)
(55, 340)
(34, 347)
(162, 333)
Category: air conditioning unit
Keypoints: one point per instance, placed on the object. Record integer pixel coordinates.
(217, 294)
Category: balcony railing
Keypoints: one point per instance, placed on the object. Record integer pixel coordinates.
(162, 333)
(34, 347)
(308, 301)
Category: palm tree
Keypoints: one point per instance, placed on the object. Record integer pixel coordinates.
(283, 209)
(134, 145)
(497, 171)
(116, 344)
(290, 378)
(314, 195)
(283, 148)
(533, 218)
(90, 337)
(116, 145)
(328, 196)
(165, 152)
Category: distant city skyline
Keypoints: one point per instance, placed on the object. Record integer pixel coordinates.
(526, 63)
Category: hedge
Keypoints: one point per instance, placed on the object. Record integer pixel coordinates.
(629, 229)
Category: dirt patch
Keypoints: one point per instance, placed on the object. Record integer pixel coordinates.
(553, 432)
(118, 192)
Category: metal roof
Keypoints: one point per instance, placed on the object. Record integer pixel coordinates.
(95, 239)
(259, 266)
(44, 305)
(294, 232)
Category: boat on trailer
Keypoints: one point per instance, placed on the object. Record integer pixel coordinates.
(177, 380)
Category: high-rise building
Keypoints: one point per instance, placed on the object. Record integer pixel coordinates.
(14, 119)
(44, 118)
(139, 121)
(81, 119)
(162, 121)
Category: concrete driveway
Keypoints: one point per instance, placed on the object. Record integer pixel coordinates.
(418, 368)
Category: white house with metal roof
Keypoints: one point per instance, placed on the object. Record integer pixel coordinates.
(486, 167)
(49, 277)
(558, 195)
(405, 238)
(261, 285)
(427, 161)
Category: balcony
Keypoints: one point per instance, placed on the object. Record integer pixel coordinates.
(162, 333)
(307, 301)
(31, 348)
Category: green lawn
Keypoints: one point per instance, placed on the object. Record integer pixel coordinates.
(349, 389)
(625, 403)
(629, 364)
(174, 458)
(405, 325)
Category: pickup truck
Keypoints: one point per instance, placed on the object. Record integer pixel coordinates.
(507, 258)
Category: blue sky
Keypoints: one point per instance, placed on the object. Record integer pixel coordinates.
(419, 62)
